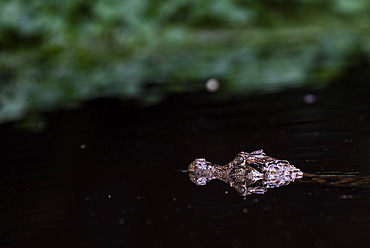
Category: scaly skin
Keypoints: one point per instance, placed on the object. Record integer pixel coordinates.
(248, 173)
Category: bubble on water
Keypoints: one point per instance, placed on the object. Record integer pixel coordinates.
(41, 125)
(328, 218)
(236, 243)
(212, 85)
(345, 196)
(302, 226)
(109, 196)
(165, 217)
(245, 210)
(219, 230)
(226, 192)
(182, 226)
(319, 243)
(288, 235)
(309, 98)
(266, 208)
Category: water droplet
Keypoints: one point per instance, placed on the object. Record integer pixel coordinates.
(288, 235)
(266, 208)
(212, 85)
(109, 196)
(122, 221)
(193, 235)
(302, 226)
(309, 98)
(83, 146)
(345, 196)
(320, 243)
(87, 199)
(245, 210)
(236, 243)
(165, 217)
(41, 125)
(328, 218)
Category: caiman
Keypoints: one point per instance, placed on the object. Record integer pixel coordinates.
(255, 172)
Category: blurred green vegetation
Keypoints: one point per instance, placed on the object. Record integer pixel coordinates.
(57, 53)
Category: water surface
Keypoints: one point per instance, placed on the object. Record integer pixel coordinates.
(111, 175)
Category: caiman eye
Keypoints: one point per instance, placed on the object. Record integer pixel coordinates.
(239, 160)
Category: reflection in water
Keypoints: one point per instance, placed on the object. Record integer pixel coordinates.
(248, 173)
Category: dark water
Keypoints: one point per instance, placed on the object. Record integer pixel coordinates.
(110, 175)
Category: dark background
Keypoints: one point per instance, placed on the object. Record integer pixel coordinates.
(110, 175)
(104, 104)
